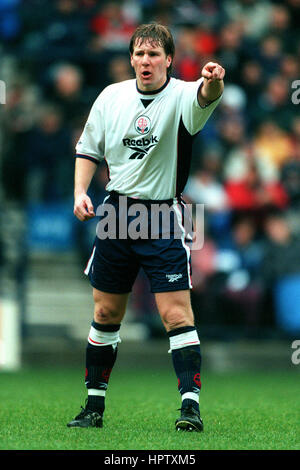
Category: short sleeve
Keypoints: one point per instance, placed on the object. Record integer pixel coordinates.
(195, 116)
(92, 140)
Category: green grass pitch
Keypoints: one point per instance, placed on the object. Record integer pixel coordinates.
(240, 411)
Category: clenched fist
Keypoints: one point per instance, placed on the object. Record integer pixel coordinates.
(83, 208)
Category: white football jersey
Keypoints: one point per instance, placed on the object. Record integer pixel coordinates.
(145, 138)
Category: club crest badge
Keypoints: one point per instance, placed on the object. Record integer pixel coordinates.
(142, 125)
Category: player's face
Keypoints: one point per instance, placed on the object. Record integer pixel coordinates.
(150, 64)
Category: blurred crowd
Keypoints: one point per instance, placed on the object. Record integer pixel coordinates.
(56, 57)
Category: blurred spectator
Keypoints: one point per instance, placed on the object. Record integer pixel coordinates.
(205, 301)
(112, 28)
(252, 80)
(290, 68)
(186, 63)
(232, 132)
(240, 257)
(254, 16)
(233, 116)
(206, 42)
(19, 116)
(66, 89)
(49, 158)
(281, 271)
(294, 9)
(290, 171)
(120, 69)
(296, 130)
(234, 99)
(270, 54)
(275, 103)
(132, 11)
(230, 51)
(273, 142)
(240, 159)
(280, 25)
(290, 177)
(204, 187)
(251, 193)
(228, 288)
(62, 32)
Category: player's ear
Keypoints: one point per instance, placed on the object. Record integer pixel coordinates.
(131, 60)
(169, 60)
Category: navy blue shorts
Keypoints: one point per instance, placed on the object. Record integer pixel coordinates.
(139, 237)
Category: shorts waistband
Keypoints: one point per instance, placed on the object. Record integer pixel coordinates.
(132, 200)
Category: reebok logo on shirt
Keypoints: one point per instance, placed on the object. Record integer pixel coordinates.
(141, 147)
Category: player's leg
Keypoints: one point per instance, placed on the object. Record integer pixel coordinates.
(178, 319)
(166, 261)
(112, 273)
(101, 354)
(102, 346)
(112, 270)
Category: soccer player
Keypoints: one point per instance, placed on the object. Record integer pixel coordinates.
(144, 128)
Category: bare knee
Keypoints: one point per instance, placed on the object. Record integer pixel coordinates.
(109, 308)
(177, 317)
(107, 315)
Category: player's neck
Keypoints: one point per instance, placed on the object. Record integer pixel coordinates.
(153, 92)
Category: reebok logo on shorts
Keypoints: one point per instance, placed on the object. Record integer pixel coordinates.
(173, 277)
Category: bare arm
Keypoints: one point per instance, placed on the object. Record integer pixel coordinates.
(84, 172)
(213, 84)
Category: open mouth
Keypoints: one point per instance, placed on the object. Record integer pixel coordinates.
(146, 74)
